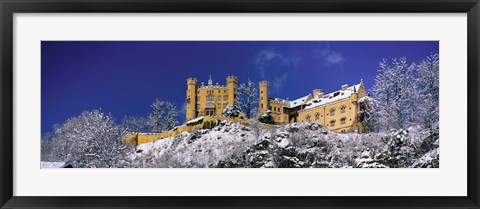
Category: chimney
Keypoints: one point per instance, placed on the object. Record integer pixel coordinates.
(317, 93)
(344, 87)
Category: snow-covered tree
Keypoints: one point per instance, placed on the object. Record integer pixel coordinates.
(365, 115)
(407, 94)
(46, 146)
(136, 124)
(91, 140)
(164, 115)
(392, 92)
(247, 97)
(232, 111)
(428, 82)
(266, 118)
(411, 99)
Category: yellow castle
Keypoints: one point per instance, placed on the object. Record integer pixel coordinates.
(205, 105)
(210, 99)
(336, 110)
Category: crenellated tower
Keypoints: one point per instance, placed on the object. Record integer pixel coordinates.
(191, 101)
(263, 103)
(232, 85)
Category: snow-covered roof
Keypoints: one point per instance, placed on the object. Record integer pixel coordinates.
(332, 97)
(279, 100)
(298, 102)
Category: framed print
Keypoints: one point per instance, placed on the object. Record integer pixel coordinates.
(194, 104)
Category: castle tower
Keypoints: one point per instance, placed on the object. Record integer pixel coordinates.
(263, 102)
(232, 84)
(191, 109)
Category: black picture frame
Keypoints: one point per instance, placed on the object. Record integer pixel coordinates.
(9, 7)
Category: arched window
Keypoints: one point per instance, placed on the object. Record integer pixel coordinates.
(332, 123)
(332, 112)
(317, 116)
(210, 98)
(342, 109)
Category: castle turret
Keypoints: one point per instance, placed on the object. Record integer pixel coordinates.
(232, 84)
(210, 82)
(263, 103)
(191, 108)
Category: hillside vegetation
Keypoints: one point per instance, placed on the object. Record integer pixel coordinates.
(297, 145)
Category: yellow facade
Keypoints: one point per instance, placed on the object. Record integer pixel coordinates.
(210, 99)
(337, 110)
(263, 100)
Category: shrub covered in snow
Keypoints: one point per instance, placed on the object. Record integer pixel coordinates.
(232, 111)
(266, 118)
(296, 145)
(89, 140)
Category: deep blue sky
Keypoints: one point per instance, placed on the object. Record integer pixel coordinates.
(124, 77)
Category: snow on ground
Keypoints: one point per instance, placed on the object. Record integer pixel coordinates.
(296, 145)
(52, 164)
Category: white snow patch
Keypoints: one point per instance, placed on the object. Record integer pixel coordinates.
(196, 120)
(52, 164)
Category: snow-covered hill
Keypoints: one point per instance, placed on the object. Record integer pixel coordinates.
(297, 145)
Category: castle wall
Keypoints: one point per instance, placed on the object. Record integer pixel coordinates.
(279, 116)
(213, 99)
(207, 122)
(333, 122)
(220, 97)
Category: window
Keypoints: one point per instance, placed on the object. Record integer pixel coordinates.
(332, 112)
(317, 116)
(210, 98)
(261, 98)
(224, 105)
(261, 92)
(224, 91)
(219, 98)
(219, 106)
(225, 98)
(342, 109)
(210, 105)
(198, 98)
(343, 120)
(198, 106)
(308, 118)
(219, 91)
(332, 123)
(261, 105)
